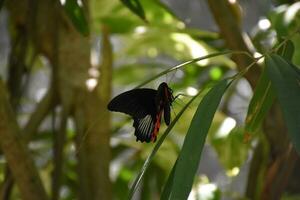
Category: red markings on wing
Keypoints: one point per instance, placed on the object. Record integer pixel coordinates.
(156, 127)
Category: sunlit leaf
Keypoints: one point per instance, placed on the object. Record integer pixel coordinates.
(285, 21)
(119, 24)
(158, 14)
(286, 82)
(189, 157)
(175, 44)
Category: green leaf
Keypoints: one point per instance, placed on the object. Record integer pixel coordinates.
(136, 7)
(260, 103)
(168, 186)
(76, 14)
(287, 50)
(190, 154)
(286, 82)
(264, 95)
(119, 24)
(155, 149)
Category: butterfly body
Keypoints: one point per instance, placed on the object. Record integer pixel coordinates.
(146, 107)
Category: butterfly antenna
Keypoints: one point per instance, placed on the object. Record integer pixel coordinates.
(173, 75)
(177, 97)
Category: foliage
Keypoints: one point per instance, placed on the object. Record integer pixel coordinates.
(76, 14)
(285, 79)
(149, 39)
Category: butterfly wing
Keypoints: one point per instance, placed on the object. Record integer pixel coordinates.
(146, 129)
(146, 107)
(138, 103)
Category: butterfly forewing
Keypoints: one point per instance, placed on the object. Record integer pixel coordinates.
(138, 102)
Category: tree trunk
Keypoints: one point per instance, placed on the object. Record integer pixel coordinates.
(89, 108)
(16, 154)
(53, 35)
(231, 32)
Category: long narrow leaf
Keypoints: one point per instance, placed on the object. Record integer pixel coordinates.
(286, 82)
(287, 50)
(157, 146)
(260, 103)
(168, 186)
(190, 62)
(189, 157)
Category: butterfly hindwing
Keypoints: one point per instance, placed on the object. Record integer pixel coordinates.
(144, 128)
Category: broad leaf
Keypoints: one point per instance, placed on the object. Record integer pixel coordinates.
(286, 82)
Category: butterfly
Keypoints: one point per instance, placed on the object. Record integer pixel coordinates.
(146, 107)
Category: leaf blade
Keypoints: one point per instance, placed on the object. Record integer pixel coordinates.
(286, 82)
(168, 185)
(260, 103)
(189, 157)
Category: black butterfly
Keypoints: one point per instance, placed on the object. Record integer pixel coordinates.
(145, 106)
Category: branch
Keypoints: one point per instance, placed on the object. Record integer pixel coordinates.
(59, 138)
(106, 66)
(41, 111)
(30, 129)
(16, 154)
(231, 32)
(256, 172)
(279, 173)
(93, 128)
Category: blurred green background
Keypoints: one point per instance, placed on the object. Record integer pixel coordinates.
(62, 61)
